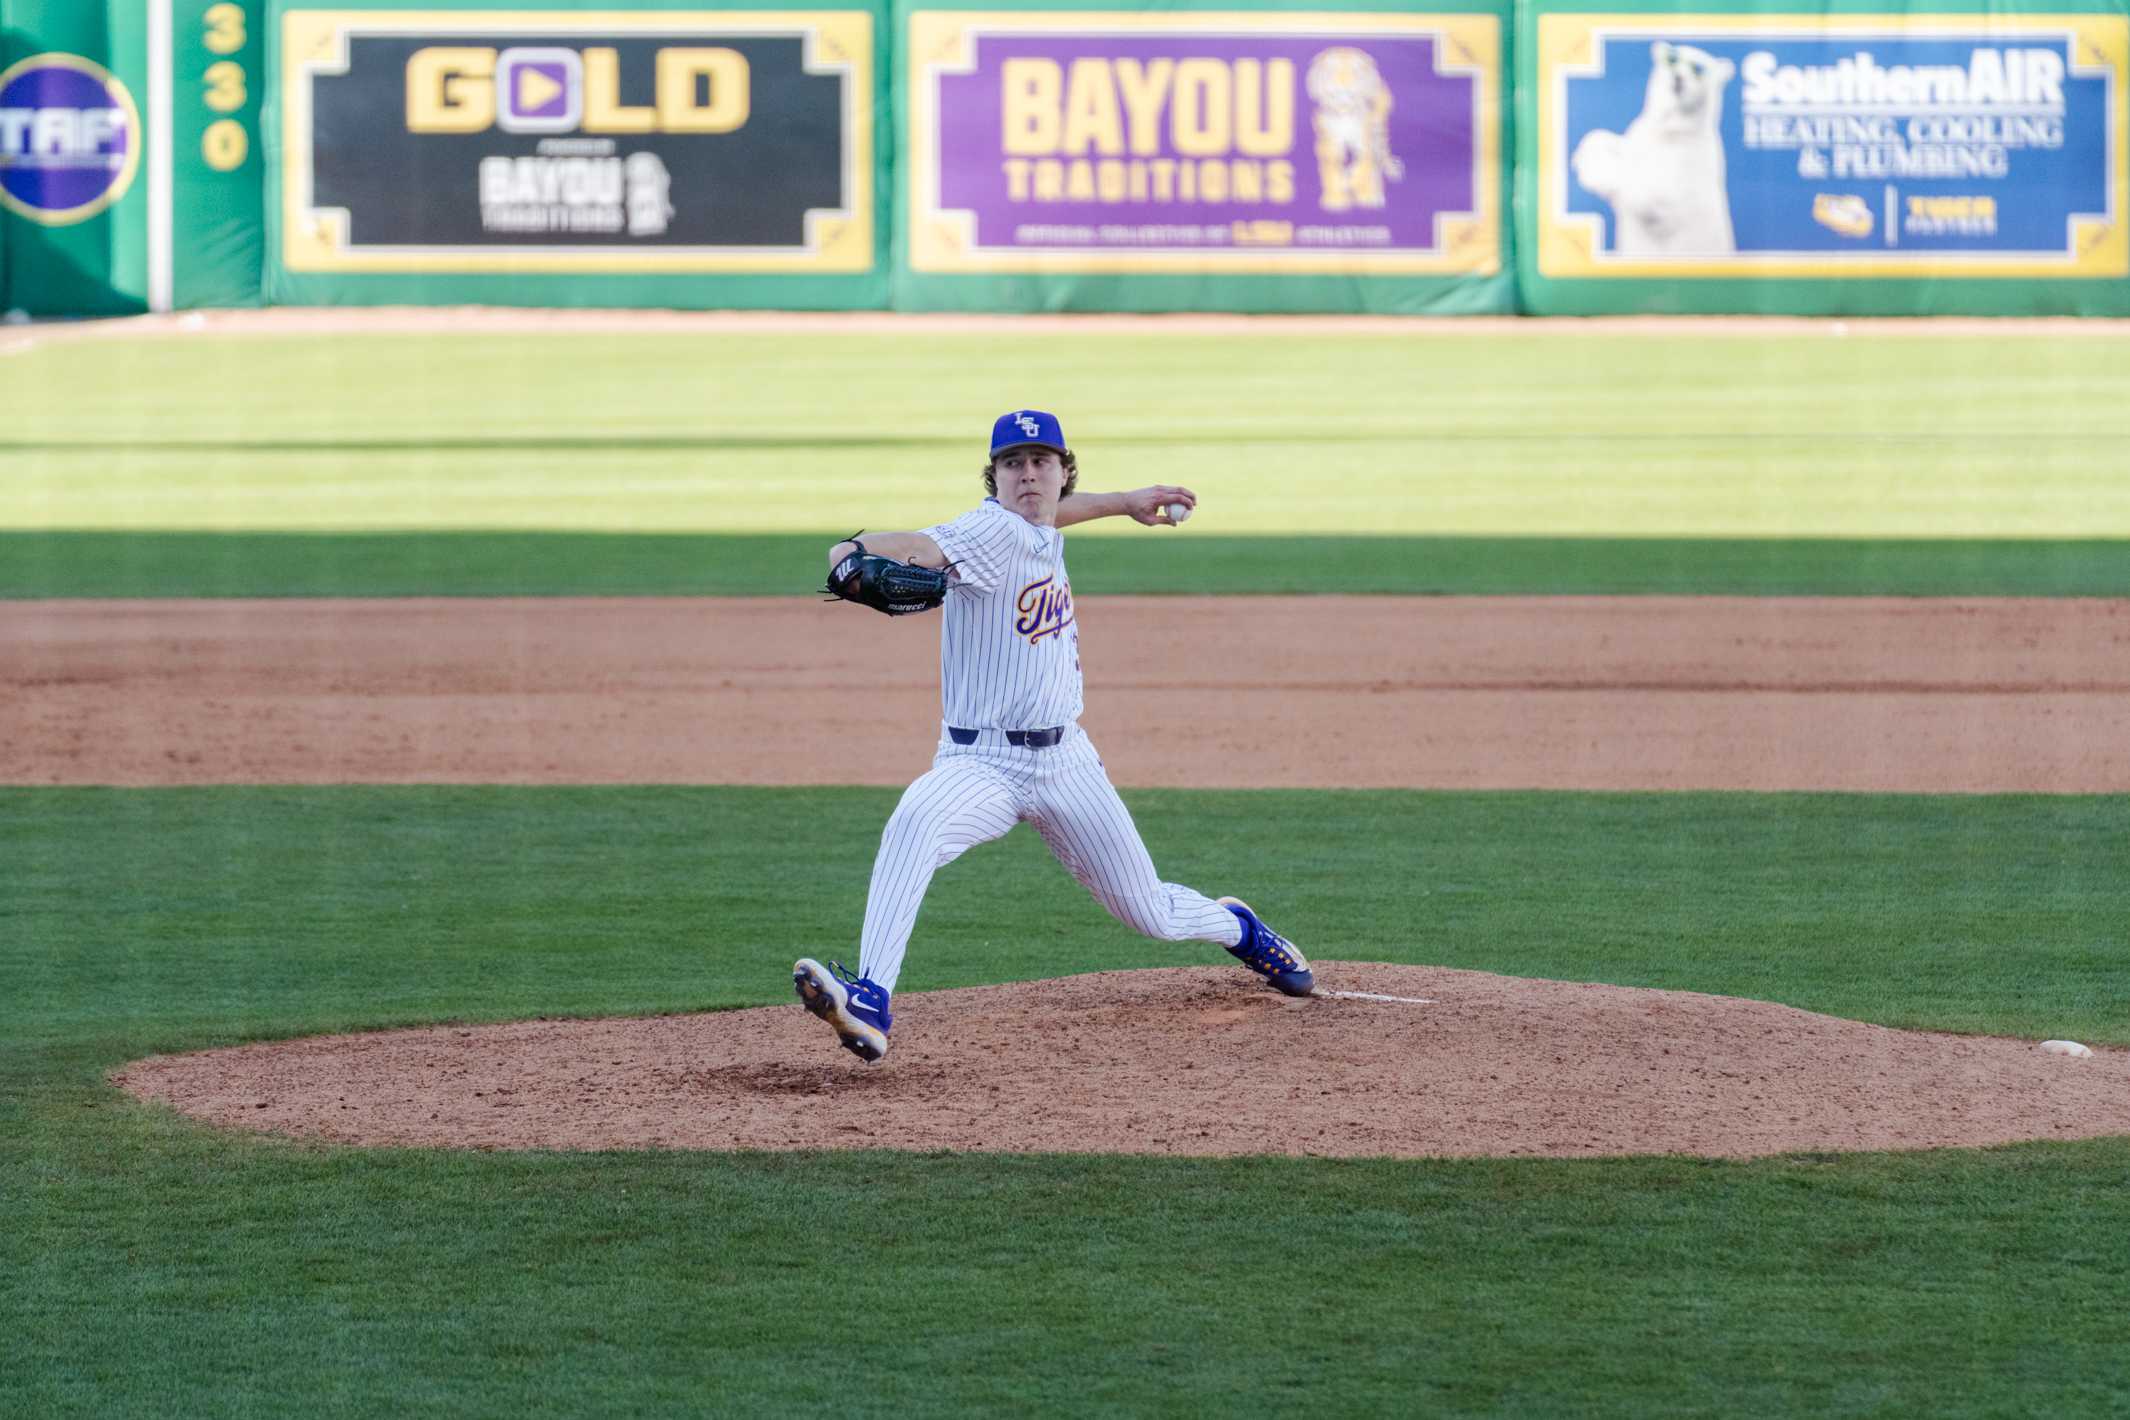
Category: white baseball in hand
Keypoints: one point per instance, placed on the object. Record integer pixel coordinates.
(1178, 512)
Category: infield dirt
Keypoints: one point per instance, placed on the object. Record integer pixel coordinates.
(1875, 695)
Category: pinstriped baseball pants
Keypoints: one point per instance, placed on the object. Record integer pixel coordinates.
(975, 793)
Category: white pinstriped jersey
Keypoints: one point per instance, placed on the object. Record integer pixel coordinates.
(1009, 653)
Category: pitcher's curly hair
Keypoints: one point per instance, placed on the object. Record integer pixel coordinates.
(1072, 472)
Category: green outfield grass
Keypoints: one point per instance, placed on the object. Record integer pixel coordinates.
(177, 564)
(150, 1266)
(1539, 434)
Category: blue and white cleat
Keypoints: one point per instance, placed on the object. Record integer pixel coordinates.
(1269, 954)
(856, 1007)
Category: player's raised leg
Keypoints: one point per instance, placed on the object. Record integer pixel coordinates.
(1088, 828)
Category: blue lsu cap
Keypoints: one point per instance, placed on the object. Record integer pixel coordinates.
(1024, 427)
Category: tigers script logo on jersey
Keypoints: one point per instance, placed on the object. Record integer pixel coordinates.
(1045, 607)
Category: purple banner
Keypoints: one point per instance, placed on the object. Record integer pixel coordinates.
(1130, 140)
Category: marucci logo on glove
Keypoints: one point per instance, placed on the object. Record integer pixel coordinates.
(885, 585)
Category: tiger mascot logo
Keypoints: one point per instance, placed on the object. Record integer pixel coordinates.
(1353, 157)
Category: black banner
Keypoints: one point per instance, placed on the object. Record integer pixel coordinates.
(495, 139)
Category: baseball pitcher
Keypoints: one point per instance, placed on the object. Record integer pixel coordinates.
(1010, 746)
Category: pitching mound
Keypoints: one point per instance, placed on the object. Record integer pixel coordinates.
(1196, 1060)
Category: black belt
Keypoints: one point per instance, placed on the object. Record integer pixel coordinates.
(1025, 739)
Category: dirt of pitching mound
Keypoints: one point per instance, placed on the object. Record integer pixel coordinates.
(1194, 1060)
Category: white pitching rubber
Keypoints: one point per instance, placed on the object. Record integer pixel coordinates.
(1374, 996)
(2066, 1047)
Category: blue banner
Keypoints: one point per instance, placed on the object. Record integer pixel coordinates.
(1828, 146)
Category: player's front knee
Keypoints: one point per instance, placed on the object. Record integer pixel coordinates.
(910, 824)
(933, 836)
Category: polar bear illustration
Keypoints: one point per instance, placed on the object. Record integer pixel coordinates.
(1353, 104)
(1664, 177)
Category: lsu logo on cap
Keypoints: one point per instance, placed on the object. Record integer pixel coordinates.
(1027, 426)
(70, 139)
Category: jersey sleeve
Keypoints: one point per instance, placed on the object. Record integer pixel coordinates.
(979, 544)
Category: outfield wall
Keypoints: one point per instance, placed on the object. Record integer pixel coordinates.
(1539, 156)
(130, 174)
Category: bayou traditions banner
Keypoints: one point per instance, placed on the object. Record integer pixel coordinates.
(1093, 141)
(1832, 145)
(546, 141)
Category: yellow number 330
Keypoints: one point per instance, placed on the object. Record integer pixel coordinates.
(225, 28)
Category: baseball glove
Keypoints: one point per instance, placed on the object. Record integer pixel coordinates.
(885, 585)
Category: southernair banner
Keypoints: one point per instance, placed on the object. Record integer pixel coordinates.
(1832, 146)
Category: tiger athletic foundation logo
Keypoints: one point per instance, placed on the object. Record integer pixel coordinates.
(70, 139)
(1045, 607)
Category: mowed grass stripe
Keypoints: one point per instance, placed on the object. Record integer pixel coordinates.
(1502, 434)
(76, 563)
(176, 917)
(153, 1266)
